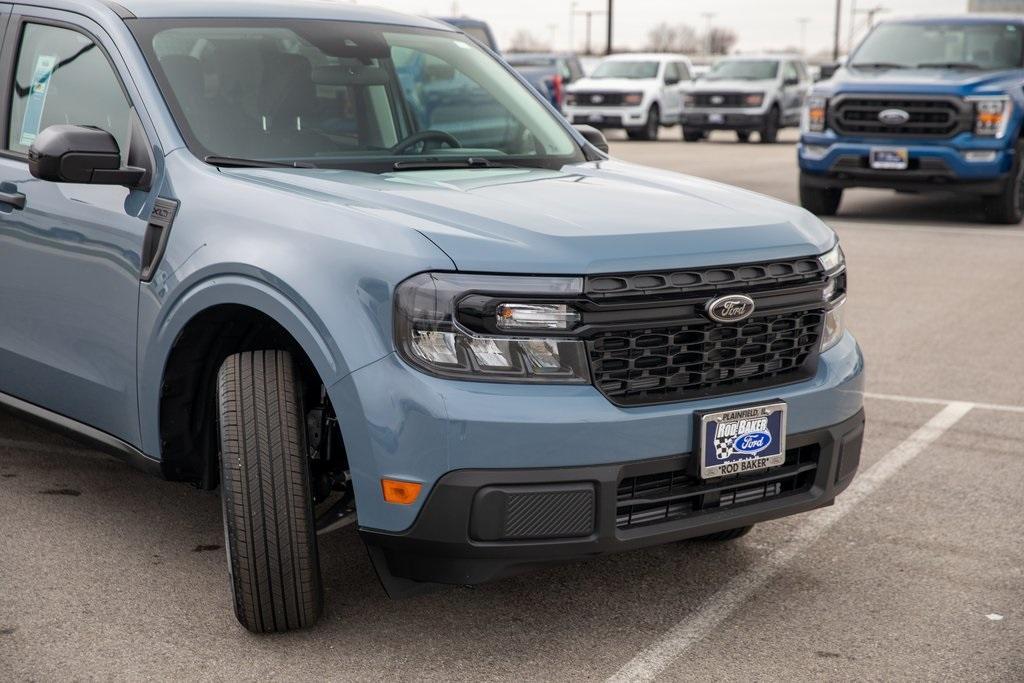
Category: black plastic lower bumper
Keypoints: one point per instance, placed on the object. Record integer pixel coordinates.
(480, 525)
(740, 122)
(925, 176)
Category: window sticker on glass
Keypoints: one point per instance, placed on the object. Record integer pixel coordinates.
(37, 98)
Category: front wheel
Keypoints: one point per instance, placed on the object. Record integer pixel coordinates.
(821, 201)
(692, 135)
(769, 132)
(651, 128)
(1007, 207)
(743, 135)
(269, 528)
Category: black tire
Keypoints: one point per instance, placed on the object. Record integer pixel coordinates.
(691, 135)
(653, 126)
(727, 535)
(269, 528)
(635, 133)
(769, 132)
(1007, 207)
(743, 135)
(821, 201)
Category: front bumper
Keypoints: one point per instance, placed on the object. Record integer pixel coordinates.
(724, 119)
(827, 160)
(479, 525)
(608, 117)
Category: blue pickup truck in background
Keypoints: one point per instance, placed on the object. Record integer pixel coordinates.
(922, 104)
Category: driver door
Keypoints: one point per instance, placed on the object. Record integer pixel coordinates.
(70, 255)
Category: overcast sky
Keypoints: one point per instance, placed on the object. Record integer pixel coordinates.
(761, 24)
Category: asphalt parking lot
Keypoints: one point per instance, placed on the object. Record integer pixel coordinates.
(917, 572)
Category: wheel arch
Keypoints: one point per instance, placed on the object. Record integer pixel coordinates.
(178, 363)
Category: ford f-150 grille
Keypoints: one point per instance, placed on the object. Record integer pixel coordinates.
(639, 358)
(934, 117)
(719, 99)
(599, 99)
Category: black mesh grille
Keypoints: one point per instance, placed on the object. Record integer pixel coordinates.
(667, 496)
(599, 99)
(928, 117)
(719, 99)
(672, 364)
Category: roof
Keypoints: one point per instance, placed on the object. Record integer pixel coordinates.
(291, 9)
(958, 19)
(654, 56)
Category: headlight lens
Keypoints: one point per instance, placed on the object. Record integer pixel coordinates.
(570, 98)
(633, 98)
(834, 263)
(435, 311)
(814, 114)
(992, 116)
(689, 101)
(754, 99)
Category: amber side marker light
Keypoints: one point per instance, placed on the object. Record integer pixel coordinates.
(400, 492)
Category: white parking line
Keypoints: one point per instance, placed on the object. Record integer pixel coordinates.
(945, 402)
(655, 659)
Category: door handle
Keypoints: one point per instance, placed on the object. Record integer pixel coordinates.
(15, 199)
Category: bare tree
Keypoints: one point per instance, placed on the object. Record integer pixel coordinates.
(524, 41)
(720, 40)
(668, 38)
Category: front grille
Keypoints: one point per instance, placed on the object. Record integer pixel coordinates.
(929, 117)
(599, 99)
(667, 496)
(719, 99)
(652, 361)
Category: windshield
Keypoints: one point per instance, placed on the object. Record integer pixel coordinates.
(743, 70)
(625, 69)
(346, 95)
(988, 46)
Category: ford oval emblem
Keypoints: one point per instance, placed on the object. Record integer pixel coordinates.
(893, 117)
(717, 99)
(597, 99)
(730, 309)
(752, 442)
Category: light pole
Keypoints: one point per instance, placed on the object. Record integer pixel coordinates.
(708, 16)
(835, 37)
(611, 23)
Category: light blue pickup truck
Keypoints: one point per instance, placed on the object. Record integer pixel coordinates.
(245, 245)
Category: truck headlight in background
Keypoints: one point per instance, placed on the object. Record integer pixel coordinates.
(453, 324)
(633, 98)
(834, 263)
(814, 114)
(570, 98)
(991, 115)
(689, 101)
(754, 99)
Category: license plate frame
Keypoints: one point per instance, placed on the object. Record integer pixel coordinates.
(716, 118)
(889, 158)
(742, 440)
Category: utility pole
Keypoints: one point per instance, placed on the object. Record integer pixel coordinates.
(835, 37)
(803, 34)
(708, 16)
(589, 14)
(611, 24)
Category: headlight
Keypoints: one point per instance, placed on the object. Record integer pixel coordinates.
(570, 98)
(813, 119)
(689, 101)
(452, 325)
(633, 98)
(753, 99)
(834, 295)
(992, 116)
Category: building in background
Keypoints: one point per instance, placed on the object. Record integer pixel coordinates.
(998, 6)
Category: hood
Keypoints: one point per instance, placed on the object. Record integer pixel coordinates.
(599, 217)
(734, 85)
(611, 84)
(945, 81)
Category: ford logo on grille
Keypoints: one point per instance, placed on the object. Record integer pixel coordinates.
(717, 99)
(597, 99)
(893, 117)
(730, 309)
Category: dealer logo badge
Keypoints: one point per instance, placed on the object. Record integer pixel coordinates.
(730, 309)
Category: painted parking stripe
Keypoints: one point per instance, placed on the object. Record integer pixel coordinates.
(655, 659)
(944, 402)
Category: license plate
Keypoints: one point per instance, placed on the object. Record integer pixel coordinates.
(742, 440)
(889, 158)
(596, 118)
(716, 118)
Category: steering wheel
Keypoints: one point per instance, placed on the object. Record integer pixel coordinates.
(426, 136)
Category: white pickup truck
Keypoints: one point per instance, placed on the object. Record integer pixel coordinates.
(636, 92)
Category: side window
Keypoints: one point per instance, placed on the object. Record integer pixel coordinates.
(671, 73)
(802, 70)
(789, 72)
(63, 77)
(684, 72)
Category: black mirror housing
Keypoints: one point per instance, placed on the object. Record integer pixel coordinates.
(594, 137)
(80, 154)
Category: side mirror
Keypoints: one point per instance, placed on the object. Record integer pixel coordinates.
(594, 137)
(827, 71)
(671, 81)
(80, 154)
(791, 81)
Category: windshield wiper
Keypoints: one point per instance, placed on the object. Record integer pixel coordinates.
(949, 65)
(239, 162)
(428, 164)
(879, 65)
